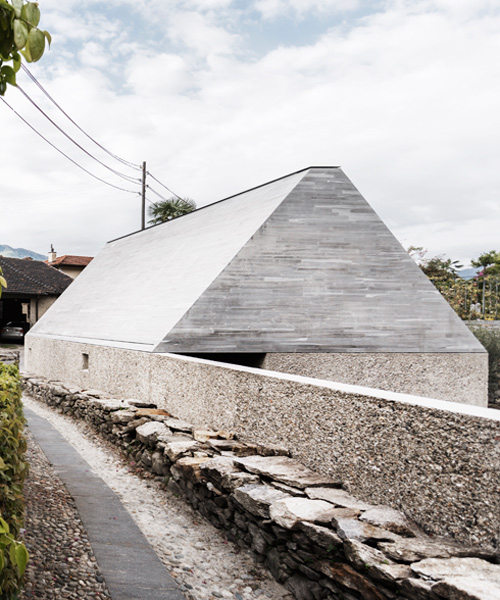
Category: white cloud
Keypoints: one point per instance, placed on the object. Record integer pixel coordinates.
(272, 9)
(199, 33)
(406, 100)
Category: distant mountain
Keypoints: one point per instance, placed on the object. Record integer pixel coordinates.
(469, 273)
(9, 252)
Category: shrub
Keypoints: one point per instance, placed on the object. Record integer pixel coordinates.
(490, 339)
(13, 470)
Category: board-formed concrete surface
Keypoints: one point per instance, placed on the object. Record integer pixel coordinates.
(301, 264)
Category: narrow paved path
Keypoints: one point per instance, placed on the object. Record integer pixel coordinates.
(130, 567)
(108, 494)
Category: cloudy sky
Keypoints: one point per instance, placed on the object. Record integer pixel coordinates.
(222, 95)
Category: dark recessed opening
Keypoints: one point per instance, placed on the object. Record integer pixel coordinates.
(85, 362)
(245, 359)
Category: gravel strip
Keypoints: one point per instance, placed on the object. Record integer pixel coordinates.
(196, 554)
(62, 564)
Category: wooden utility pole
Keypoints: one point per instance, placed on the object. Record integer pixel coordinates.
(143, 209)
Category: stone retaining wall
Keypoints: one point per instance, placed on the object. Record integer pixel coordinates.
(436, 460)
(315, 538)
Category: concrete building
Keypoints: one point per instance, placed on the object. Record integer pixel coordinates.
(298, 276)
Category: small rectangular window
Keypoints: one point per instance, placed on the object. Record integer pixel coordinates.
(85, 362)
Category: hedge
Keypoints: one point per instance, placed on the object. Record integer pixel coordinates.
(13, 470)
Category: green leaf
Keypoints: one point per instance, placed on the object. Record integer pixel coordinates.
(3, 283)
(5, 526)
(18, 7)
(2, 561)
(20, 33)
(22, 557)
(36, 43)
(10, 77)
(31, 13)
(48, 36)
(16, 61)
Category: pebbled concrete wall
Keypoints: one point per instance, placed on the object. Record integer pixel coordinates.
(457, 377)
(437, 461)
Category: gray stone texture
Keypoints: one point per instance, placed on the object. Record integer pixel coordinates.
(436, 461)
(310, 545)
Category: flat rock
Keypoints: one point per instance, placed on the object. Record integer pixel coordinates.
(417, 589)
(391, 519)
(123, 416)
(203, 435)
(322, 536)
(289, 512)
(467, 588)
(287, 470)
(149, 432)
(140, 403)
(238, 448)
(457, 567)
(219, 466)
(364, 557)
(152, 413)
(223, 471)
(178, 425)
(411, 550)
(348, 577)
(352, 529)
(337, 497)
(176, 449)
(189, 467)
(287, 488)
(272, 450)
(258, 498)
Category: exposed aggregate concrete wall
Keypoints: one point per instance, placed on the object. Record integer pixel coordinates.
(315, 538)
(457, 377)
(437, 461)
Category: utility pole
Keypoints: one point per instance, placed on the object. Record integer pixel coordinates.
(143, 209)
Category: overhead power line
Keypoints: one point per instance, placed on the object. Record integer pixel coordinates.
(40, 86)
(163, 185)
(118, 173)
(63, 153)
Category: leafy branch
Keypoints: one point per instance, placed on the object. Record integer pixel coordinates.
(19, 34)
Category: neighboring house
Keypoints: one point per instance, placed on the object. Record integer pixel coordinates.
(32, 288)
(299, 275)
(69, 264)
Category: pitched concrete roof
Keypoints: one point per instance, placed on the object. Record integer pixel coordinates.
(32, 277)
(301, 264)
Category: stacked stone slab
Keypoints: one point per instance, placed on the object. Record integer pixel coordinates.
(315, 538)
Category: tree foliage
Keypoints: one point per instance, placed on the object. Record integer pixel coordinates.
(435, 267)
(165, 210)
(490, 261)
(19, 34)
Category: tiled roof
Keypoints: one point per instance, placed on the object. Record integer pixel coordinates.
(32, 277)
(70, 260)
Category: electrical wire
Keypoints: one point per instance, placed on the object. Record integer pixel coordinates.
(118, 173)
(40, 86)
(163, 185)
(65, 155)
(156, 193)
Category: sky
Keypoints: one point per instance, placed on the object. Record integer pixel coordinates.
(218, 96)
